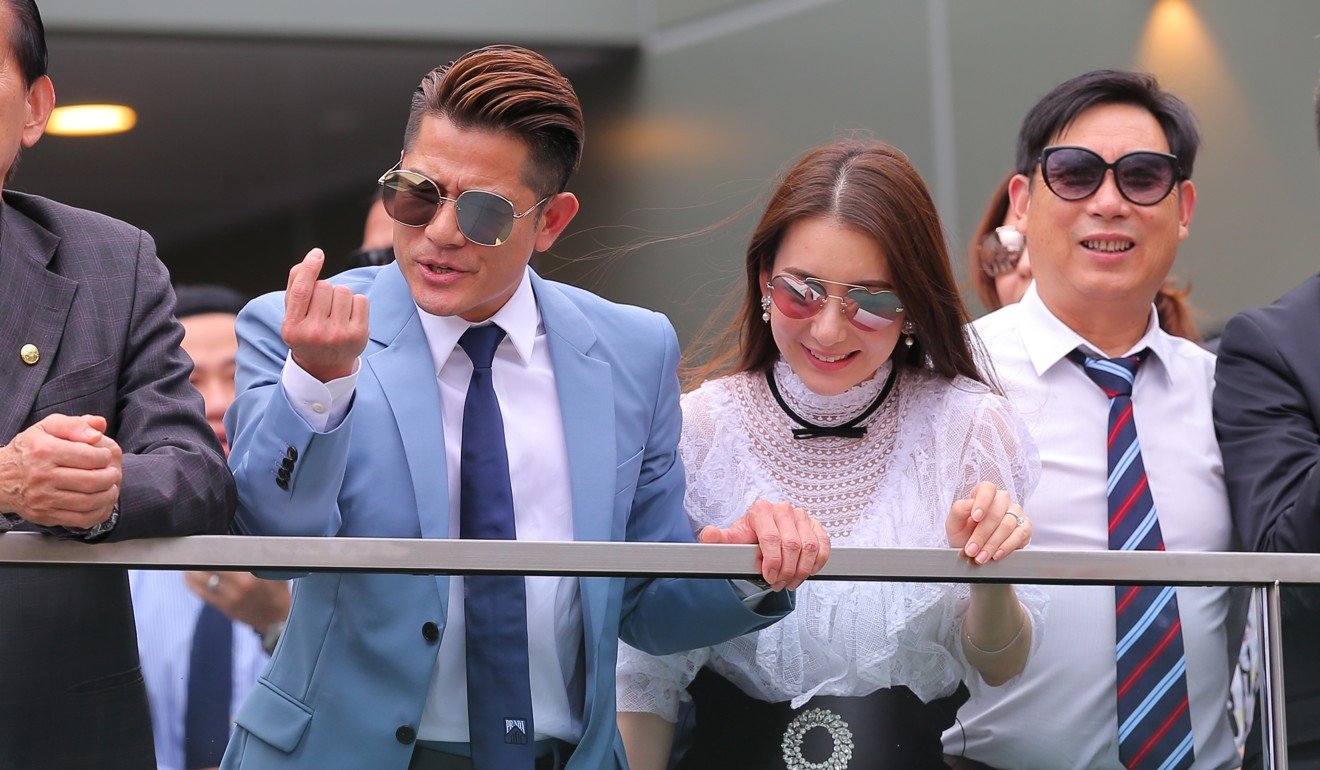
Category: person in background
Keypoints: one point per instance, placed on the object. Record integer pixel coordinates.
(101, 438)
(1126, 676)
(1267, 415)
(377, 238)
(1001, 268)
(204, 637)
(849, 387)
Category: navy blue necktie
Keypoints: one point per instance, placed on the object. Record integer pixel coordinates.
(499, 685)
(210, 689)
(1154, 727)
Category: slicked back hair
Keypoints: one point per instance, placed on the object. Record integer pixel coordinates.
(27, 39)
(1060, 107)
(508, 89)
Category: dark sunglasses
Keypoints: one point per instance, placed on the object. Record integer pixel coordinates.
(802, 298)
(1144, 178)
(1000, 250)
(485, 218)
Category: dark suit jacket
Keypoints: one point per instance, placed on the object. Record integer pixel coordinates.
(89, 292)
(1267, 416)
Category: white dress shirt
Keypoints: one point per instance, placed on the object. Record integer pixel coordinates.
(543, 510)
(1062, 711)
(166, 613)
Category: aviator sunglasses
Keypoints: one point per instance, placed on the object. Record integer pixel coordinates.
(1000, 250)
(802, 298)
(485, 218)
(1144, 178)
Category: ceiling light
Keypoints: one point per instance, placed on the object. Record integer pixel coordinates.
(91, 120)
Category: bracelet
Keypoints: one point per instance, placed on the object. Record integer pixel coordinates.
(1008, 644)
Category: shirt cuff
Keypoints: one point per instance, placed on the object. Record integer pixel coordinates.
(750, 593)
(322, 404)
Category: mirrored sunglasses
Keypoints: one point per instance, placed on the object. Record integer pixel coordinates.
(1001, 250)
(485, 218)
(1144, 178)
(802, 298)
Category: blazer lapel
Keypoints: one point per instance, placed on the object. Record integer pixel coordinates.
(401, 362)
(586, 401)
(36, 304)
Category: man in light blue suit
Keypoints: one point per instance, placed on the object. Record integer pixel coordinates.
(455, 393)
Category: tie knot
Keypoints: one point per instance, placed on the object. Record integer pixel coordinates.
(479, 342)
(1113, 375)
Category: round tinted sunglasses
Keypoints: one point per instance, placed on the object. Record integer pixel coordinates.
(485, 218)
(1144, 178)
(1000, 250)
(802, 298)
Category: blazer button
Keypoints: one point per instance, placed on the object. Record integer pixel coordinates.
(291, 454)
(430, 632)
(283, 473)
(282, 483)
(287, 464)
(405, 735)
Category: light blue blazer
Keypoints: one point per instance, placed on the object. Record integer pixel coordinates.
(349, 679)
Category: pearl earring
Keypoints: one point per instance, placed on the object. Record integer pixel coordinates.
(909, 330)
(765, 308)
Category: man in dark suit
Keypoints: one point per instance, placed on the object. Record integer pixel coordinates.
(1267, 416)
(101, 438)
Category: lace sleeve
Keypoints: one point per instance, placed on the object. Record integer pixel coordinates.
(1000, 450)
(655, 684)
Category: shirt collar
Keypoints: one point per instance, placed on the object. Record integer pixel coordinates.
(520, 318)
(1047, 339)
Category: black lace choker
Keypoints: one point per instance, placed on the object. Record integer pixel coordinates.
(849, 429)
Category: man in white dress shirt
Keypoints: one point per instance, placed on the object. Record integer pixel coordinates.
(455, 393)
(168, 604)
(1104, 197)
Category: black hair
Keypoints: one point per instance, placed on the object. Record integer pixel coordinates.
(198, 299)
(1061, 106)
(27, 39)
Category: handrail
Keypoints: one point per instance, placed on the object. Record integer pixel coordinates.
(420, 556)
(586, 559)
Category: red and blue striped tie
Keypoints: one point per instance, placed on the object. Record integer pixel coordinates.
(1154, 726)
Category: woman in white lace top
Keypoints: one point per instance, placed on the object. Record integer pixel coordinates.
(854, 394)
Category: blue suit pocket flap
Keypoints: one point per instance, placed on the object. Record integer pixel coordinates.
(274, 717)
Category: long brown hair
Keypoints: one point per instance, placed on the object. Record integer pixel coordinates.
(871, 187)
(995, 213)
(1173, 306)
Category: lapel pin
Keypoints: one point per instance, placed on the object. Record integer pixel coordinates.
(29, 354)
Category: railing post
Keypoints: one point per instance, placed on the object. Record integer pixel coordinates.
(1274, 724)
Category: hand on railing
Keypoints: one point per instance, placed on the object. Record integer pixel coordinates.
(793, 546)
(987, 525)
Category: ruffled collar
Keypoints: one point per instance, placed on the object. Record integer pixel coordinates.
(828, 410)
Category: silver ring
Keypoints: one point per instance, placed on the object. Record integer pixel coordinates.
(1021, 520)
(213, 582)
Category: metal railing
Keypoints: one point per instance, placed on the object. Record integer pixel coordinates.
(1266, 572)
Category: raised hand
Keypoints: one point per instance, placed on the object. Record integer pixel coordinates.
(325, 326)
(794, 546)
(987, 525)
(62, 472)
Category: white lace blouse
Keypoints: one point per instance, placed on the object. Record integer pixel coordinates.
(928, 444)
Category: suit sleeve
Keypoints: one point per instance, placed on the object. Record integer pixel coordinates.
(288, 474)
(667, 615)
(175, 479)
(1269, 438)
